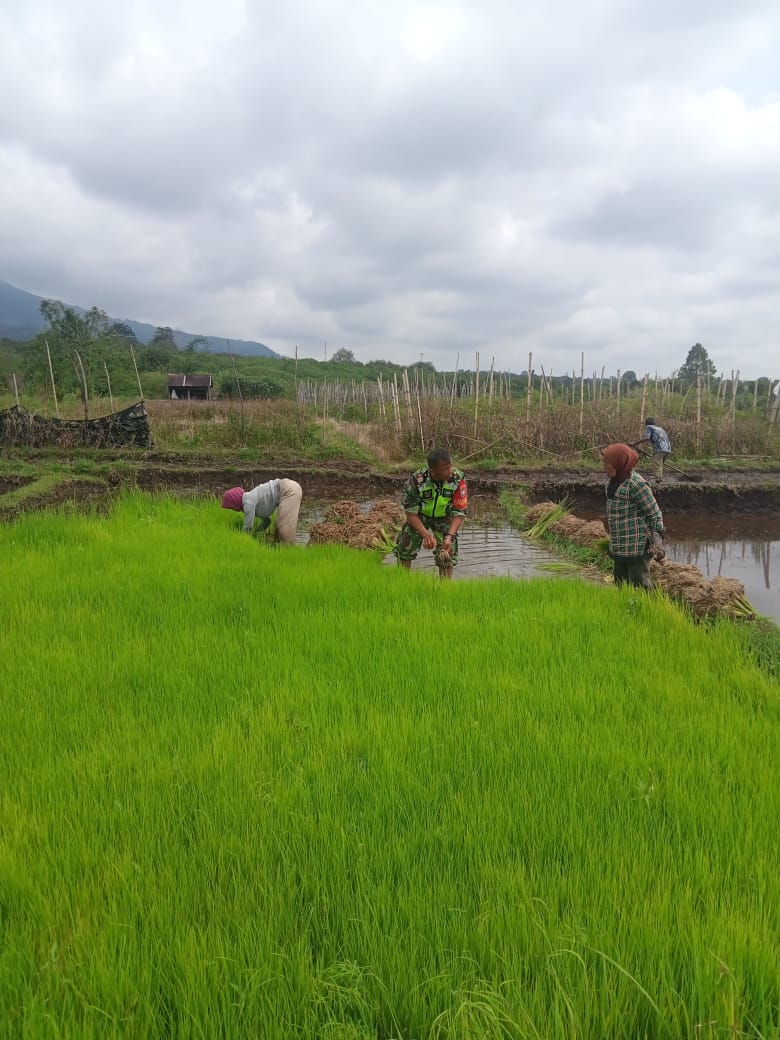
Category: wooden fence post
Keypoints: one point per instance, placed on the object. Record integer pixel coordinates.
(51, 374)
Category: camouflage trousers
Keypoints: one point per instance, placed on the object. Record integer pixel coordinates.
(410, 542)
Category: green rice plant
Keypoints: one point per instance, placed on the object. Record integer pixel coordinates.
(544, 523)
(255, 792)
(386, 542)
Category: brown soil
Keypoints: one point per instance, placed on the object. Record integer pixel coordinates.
(316, 484)
(737, 494)
(12, 483)
(78, 492)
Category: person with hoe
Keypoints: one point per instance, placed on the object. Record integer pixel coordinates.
(435, 502)
(658, 438)
(636, 526)
(258, 504)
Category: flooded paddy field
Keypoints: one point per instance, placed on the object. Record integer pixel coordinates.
(745, 548)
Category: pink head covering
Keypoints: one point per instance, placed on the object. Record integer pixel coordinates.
(232, 499)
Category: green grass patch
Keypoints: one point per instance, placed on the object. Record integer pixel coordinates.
(251, 792)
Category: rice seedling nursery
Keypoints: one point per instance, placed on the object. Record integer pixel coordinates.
(247, 792)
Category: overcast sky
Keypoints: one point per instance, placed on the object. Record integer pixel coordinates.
(404, 179)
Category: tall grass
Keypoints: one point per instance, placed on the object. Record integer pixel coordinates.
(505, 433)
(248, 792)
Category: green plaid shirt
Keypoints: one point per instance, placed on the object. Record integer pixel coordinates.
(633, 515)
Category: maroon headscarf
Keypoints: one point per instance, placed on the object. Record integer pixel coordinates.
(232, 499)
(621, 458)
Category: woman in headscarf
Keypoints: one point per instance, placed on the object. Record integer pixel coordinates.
(636, 526)
(258, 504)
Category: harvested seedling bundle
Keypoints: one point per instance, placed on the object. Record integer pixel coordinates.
(682, 582)
(705, 599)
(346, 524)
(555, 518)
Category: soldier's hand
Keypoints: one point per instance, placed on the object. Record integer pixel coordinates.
(429, 540)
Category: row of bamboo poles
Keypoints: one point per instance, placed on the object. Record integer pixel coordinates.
(78, 365)
(386, 396)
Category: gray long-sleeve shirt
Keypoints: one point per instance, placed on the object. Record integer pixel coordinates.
(260, 502)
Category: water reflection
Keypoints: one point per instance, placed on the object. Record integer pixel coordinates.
(745, 548)
(753, 561)
(711, 557)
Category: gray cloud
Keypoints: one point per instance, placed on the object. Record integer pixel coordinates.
(406, 179)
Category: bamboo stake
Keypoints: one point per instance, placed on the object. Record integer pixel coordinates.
(419, 416)
(601, 384)
(490, 384)
(582, 392)
(396, 404)
(476, 396)
(698, 415)
(644, 399)
(407, 399)
(734, 385)
(755, 395)
(382, 411)
(528, 391)
(137, 377)
(83, 380)
(241, 396)
(16, 390)
(108, 382)
(454, 379)
(51, 374)
(618, 391)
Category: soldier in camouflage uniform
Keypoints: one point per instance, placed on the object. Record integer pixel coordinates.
(435, 501)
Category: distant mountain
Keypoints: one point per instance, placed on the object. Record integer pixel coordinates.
(20, 318)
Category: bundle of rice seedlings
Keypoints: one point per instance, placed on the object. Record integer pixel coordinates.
(341, 512)
(539, 511)
(345, 524)
(386, 511)
(581, 532)
(326, 531)
(729, 597)
(547, 519)
(705, 599)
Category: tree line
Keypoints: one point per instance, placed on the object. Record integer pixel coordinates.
(88, 351)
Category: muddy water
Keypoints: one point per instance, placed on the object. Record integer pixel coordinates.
(744, 548)
(489, 548)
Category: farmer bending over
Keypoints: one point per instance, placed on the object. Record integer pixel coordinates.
(435, 501)
(636, 526)
(259, 503)
(662, 446)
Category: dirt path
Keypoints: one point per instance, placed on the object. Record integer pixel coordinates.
(741, 493)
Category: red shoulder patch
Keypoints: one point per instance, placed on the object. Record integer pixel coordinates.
(461, 498)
